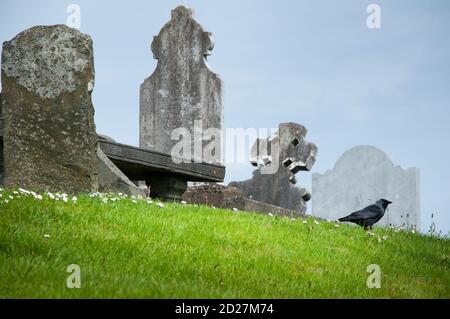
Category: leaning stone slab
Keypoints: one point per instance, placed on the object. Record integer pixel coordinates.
(279, 159)
(182, 92)
(220, 196)
(111, 179)
(49, 132)
(361, 176)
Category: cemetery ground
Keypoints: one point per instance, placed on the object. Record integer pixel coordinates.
(137, 248)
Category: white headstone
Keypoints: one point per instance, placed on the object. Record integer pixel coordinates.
(361, 176)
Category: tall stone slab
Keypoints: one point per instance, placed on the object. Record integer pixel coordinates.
(2, 165)
(361, 176)
(49, 131)
(182, 92)
(279, 159)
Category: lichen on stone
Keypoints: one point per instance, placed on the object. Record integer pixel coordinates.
(47, 64)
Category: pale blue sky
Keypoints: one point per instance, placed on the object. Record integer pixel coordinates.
(311, 62)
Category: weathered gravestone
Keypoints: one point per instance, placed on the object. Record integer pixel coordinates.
(182, 92)
(361, 176)
(2, 168)
(279, 159)
(49, 132)
(48, 127)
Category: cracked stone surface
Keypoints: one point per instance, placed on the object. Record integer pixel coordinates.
(279, 159)
(182, 89)
(49, 131)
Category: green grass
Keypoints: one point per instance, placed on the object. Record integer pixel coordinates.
(139, 250)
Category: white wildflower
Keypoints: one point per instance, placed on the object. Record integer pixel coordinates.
(39, 197)
(235, 209)
(160, 205)
(370, 233)
(316, 222)
(305, 222)
(336, 225)
(24, 191)
(270, 214)
(183, 202)
(47, 236)
(134, 201)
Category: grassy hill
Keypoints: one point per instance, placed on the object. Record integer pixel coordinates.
(128, 247)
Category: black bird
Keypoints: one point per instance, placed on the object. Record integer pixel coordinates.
(369, 215)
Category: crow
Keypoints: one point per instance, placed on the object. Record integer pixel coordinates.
(369, 215)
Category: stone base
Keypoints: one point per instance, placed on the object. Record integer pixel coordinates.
(167, 187)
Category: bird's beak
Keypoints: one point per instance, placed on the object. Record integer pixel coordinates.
(389, 202)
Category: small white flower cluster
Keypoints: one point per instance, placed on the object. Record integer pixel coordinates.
(116, 197)
(400, 229)
(380, 239)
(18, 194)
(104, 197)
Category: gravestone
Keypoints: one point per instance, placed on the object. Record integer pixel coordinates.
(279, 160)
(49, 132)
(228, 197)
(361, 176)
(2, 168)
(182, 92)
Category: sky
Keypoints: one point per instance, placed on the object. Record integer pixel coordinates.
(313, 62)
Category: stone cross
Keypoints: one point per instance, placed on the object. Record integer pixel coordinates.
(279, 159)
(182, 92)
